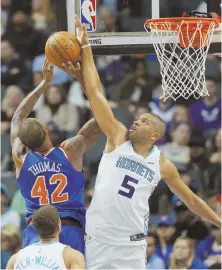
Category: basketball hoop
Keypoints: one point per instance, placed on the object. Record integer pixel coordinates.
(181, 45)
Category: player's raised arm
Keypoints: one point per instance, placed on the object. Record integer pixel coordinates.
(25, 108)
(171, 176)
(75, 147)
(100, 106)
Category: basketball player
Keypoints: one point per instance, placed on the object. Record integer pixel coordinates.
(48, 253)
(129, 171)
(47, 174)
(88, 11)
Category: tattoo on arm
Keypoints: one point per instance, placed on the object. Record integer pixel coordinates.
(25, 108)
(91, 132)
(85, 139)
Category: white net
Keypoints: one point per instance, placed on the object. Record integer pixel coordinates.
(182, 63)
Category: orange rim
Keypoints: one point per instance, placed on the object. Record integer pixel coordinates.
(158, 24)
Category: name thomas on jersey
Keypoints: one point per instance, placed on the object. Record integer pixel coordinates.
(45, 167)
(136, 167)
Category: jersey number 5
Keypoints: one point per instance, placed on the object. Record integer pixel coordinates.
(40, 191)
(131, 189)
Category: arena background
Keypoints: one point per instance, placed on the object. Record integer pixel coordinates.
(132, 84)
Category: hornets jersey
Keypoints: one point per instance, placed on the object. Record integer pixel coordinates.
(51, 179)
(119, 211)
(41, 256)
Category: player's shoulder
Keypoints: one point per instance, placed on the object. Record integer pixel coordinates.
(167, 168)
(73, 257)
(11, 262)
(19, 151)
(68, 251)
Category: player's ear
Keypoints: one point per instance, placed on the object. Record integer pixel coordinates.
(156, 136)
(59, 226)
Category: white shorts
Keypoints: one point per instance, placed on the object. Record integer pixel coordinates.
(99, 255)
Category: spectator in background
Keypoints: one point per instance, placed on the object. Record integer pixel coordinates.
(206, 174)
(60, 77)
(178, 150)
(18, 203)
(157, 90)
(13, 69)
(183, 256)
(8, 216)
(153, 260)
(216, 156)
(164, 109)
(136, 86)
(210, 249)
(11, 243)
(206, 112)
(187, 224)
(27, 41)
(12, 98)
(5, 8)
(181, 115)
(43, 16)
(58, 110)
(165, 230)
(138, 109)
(111, 69)
(108, 21)
(55, 135)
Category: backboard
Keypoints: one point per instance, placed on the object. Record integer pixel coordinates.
(118, 27)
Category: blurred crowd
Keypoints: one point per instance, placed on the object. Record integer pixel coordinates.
(132, 84)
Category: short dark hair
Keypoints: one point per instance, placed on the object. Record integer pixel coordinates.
(160, 128)
(31, 133)
(46, 221)
(211, 78)
(154, 236)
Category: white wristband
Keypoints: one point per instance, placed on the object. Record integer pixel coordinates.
(85, 46)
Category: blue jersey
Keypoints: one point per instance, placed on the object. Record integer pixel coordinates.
(51, 179)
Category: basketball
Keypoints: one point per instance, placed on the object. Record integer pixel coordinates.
(62, 47)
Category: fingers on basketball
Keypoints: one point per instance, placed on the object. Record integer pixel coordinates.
(45, 63)
(77, 21)
(77, 65)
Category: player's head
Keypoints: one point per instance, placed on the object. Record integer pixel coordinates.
(148, 127)
(33, 133)
(47, 222)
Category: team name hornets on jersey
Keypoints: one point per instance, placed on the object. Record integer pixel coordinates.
(41, 261)
(133, 166)
(45, 167)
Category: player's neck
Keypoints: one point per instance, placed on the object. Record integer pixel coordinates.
(49, 240)
(45, 147)
(142, 149)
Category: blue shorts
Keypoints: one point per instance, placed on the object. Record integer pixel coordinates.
(70, 235)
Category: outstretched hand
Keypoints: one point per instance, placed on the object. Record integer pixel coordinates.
(47, 72)
(73, 69)
(81, 32)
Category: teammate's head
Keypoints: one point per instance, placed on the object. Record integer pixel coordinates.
(32, 133)
(148, 127)
(47, 222)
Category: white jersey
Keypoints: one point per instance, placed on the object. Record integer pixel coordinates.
(119, 208)
(41, 256)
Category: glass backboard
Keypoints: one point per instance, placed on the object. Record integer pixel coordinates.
(117, 26)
